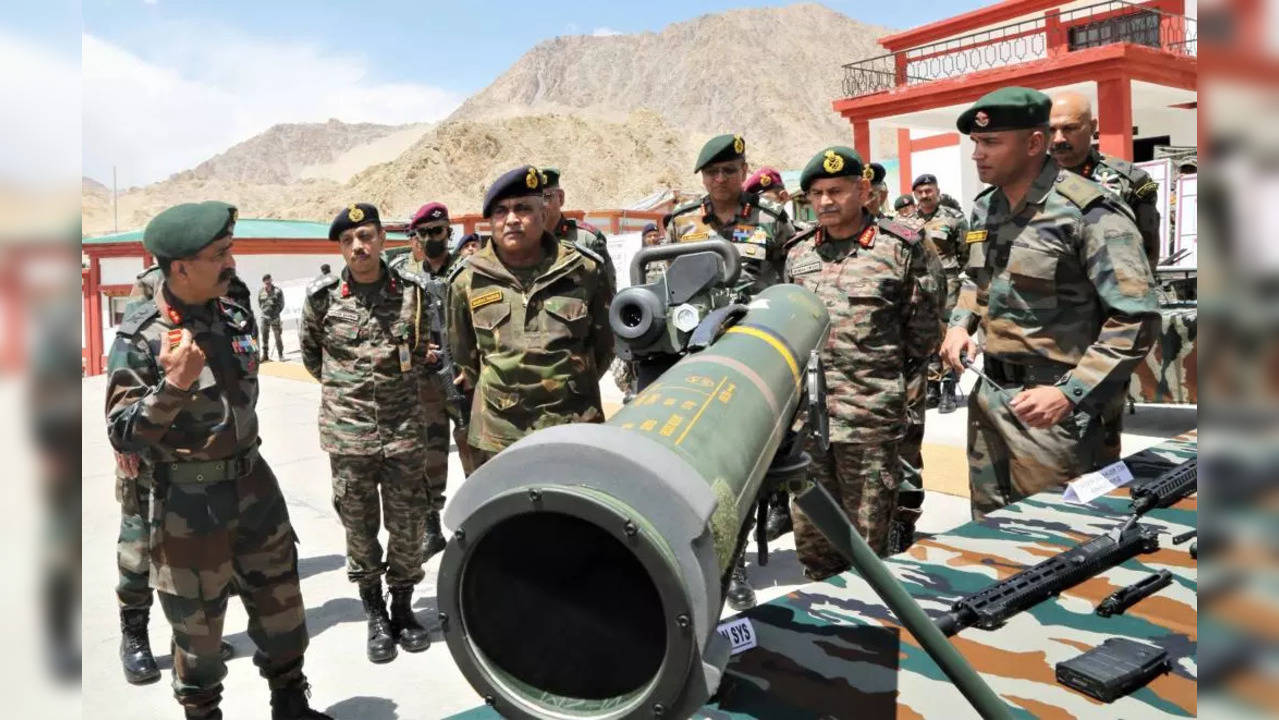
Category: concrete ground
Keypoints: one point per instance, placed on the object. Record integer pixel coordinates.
(414, 686)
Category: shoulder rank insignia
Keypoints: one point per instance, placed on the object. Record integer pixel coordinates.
(867, 238)
(975, 236)
(1146, 190)
(487, 298)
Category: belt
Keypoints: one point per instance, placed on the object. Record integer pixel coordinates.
(1045, 372)
(204, 472)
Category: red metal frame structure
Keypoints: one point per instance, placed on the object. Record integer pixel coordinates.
(1167, 58)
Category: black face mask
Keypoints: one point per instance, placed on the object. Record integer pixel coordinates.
(434, 248)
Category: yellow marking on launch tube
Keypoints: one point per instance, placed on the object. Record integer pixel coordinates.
(774, 343)
(727, 393)
(672, 424)
(648, 425)
(700, 410)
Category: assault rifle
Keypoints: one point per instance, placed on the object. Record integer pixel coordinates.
(1171, 485)
(989, 608)
(445, 371)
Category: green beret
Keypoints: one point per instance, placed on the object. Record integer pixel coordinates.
(877, 173)
(719, 149)
(550, 177)
(184, 230)
(1010, 108)
(834, 161)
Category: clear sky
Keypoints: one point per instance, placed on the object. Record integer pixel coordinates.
(168, 83)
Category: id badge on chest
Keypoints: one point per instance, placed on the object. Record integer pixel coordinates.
(406, 361)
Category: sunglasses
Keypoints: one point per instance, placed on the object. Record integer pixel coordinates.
(424, 232)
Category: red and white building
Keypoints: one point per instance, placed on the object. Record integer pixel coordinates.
(1137, 61)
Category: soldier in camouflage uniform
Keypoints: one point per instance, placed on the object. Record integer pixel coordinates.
(759, 228)
(528, 322)
(133, 490)
(365, 338)
(1057, 280)
(181, 391)
(904, 206)
(872, 276)
(270, 305)
(574, 232)
(1073, 125)
(430, 231)
(946, 228)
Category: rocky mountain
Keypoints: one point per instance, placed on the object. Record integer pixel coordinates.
(285, 152)
(622, 116)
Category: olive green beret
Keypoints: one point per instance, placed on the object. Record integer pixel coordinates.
(1010, 108)
(550, 177)
(834, 161)
(184, 230)
(877, 173)
(719, 149)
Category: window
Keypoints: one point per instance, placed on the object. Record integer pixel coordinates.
(1141, 28)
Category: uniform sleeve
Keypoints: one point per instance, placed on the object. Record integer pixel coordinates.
(1115, 264)
(461, 334)
(310, 336)
(961, 240)
(921, 333)
(601, 247)
(601, 332)
(140, 405)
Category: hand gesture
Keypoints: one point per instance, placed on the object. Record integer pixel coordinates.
(182, 364)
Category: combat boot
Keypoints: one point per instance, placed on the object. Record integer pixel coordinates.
(433, 542)
(135, 648)
(381, 642)
(779, 522)
(292, 704)
(405, 628)
(946, 404)
(740, 595)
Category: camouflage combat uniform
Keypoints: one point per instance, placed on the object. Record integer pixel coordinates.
(218, 521)
(532, 342)
(1062, 290)
(577, 232)
(271, 304)
(367, 347)
(132, 553)
(760, 231)
(1136, 188)
(884, 322)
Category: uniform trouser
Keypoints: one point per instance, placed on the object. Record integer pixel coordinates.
(269, 325)
(133, 560)
(863, 479)
(435, 408)
(1112, 422)
(211, 540)
(1008, 460)
(936, 372)
(367, 488)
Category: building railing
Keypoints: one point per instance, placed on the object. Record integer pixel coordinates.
(1057, 32)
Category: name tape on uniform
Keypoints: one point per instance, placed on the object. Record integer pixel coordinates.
(487, 298)
(1090, 486)
(975, 236)
(739, 633)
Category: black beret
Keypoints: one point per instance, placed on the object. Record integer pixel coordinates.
(551, 176)
(877, 173)
(925, 179)
(834, 161)
(719, 149)
(902, 201)
(1010, 108)
(184, 230)
(648, 227)
(523, 181)
(467, 238)
(353, 216)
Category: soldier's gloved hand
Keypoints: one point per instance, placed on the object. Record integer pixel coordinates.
(182, 364)
(127, 463)
(1042, 406)
(956, 344)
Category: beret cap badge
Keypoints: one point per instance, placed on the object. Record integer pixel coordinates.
(981, 119)
(354, 214)
(868, 172)
(765, 180)
(532, 179)
(833, 162)
(739, 145)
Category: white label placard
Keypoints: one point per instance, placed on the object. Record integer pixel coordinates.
(1093, 485)
(739, 632)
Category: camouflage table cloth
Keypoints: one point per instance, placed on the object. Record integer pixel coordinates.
(1169, 374)
(834, 650)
